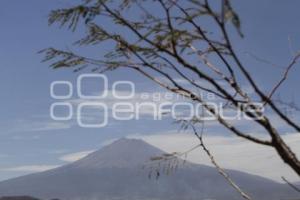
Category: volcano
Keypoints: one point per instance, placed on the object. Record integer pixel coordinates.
(123, 171)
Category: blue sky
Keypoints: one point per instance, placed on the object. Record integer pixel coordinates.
(29, 137)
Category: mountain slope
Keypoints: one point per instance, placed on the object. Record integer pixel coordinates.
(115, 173)
(18, 198)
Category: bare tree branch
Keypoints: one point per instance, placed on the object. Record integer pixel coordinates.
(290, 184)
(285, 76)
(220, 169)
(168, 45)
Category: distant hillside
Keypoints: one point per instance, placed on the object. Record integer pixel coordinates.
(115, 173)
(18, 198)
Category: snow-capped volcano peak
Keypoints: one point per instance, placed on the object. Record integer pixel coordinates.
(121, 153)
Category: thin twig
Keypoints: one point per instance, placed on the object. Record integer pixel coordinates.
(290, 184)
(285, 75)
(220, 169)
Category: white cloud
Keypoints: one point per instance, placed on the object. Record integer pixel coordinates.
(38, 126)
(25, 137)
(4, 155)
(75, 156)
(108, 142)
(47, 126)
(58, 151)
(30, 168)
(231, 153)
